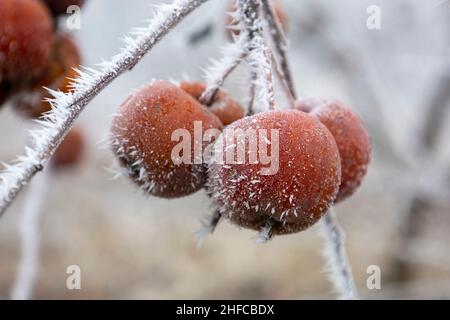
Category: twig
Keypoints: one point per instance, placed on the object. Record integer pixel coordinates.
(266, 233)
(219, 70)
(29, 234)
(209, 225)
(339, 267)
(258, 54)
(283, 81)
(280, 42)
(67, 107)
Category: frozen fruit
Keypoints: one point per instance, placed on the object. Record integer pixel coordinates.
(142, 139)
(26, 38)
(297, 192)
(351, 137)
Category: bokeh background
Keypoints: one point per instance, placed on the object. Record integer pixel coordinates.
(131, 246)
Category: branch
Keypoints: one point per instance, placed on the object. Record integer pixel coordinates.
(283, 81)
(67, 107)
(259, 57)
(209, 225)
(280, 42)
(221, 69)
(339, 267)
(30, 240)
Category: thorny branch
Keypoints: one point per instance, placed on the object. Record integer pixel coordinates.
(67, 107)
(220, 70)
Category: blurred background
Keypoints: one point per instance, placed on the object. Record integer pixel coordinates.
(131, 246)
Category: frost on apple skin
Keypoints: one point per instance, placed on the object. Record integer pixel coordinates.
(296, 196)
(66, 107)
(142, 139)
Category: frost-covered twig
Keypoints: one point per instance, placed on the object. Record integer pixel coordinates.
(339, 267)
(259, 57)
(30, 239)
(67, 107)
(221, 69)
(280, 42)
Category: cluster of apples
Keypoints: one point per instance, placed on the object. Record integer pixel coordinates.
(35, 55)
(324, 152)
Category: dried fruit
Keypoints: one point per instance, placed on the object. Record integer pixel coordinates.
(26, 33)
(293, 197)
(142, 139)
(222, 105)
(351, 137)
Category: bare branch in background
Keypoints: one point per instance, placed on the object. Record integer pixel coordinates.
(439, 104)
(421, 203)
(201, 34)
(67, 107)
